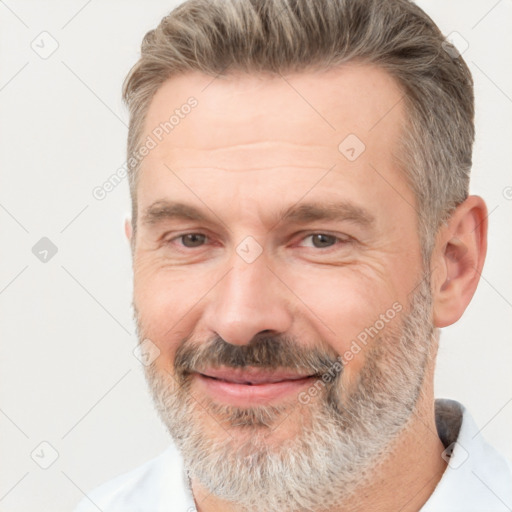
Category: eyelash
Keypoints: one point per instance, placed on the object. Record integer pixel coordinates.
(338, 240)
(183, 235)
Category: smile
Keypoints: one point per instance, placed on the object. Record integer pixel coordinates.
(251, 386)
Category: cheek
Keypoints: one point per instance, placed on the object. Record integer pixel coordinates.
(350, 310)
(168, 305)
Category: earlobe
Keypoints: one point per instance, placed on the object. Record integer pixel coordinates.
(459, 257)
(128, 229)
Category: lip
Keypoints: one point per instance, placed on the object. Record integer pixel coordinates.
(251, 385)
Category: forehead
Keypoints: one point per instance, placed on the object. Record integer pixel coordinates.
(303, 116)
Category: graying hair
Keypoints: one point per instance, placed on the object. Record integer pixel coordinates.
(281, 36)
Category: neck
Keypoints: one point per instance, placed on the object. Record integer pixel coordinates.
(403, 481)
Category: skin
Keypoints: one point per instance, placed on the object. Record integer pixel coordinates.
(252, 148)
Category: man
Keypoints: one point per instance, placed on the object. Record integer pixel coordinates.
(301, 229)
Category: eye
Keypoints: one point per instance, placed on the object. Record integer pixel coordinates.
(320, 240)
(192, 239)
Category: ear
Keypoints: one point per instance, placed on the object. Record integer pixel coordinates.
(128, 229)
(458, 259)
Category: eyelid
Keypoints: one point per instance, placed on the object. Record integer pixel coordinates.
(166, 239)
(340, 237)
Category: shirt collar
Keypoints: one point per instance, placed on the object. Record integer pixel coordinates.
(477, 477)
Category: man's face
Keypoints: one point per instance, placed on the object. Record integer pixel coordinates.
(275, 236)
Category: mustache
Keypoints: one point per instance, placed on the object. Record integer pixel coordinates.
(263, 351)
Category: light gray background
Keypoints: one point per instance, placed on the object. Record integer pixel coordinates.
(68, 375)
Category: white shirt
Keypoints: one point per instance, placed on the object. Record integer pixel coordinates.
(477, 478)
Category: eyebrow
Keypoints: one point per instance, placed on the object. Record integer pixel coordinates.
(165, 210)
(296, 214)
(312, 212)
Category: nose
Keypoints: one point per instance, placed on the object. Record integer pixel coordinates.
(248, 301)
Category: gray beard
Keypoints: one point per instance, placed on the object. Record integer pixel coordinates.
(341, 438)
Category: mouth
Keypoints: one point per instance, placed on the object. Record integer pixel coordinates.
(251, 386)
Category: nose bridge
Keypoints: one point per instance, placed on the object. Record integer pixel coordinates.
(248, 300)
